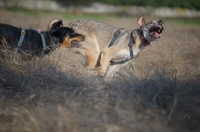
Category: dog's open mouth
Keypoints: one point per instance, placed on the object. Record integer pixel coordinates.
(75, 41)
(156, 31)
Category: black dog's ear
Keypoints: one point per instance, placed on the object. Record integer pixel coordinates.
(57, 24)
(60, 32)
(54, 24)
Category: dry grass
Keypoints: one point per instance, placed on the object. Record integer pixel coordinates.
(158, 91)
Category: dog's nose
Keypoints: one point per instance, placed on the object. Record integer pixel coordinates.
(160, 22)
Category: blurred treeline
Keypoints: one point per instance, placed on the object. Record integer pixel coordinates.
(191, 4)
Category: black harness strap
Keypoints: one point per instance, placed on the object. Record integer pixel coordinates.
(130, 45)
(114, 37)
(23, 33)
(21, 39)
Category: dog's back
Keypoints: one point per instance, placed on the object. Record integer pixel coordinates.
(8, 31)
(12, 35)
(101, 32)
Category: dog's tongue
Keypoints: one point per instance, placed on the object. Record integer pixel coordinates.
(155, 34)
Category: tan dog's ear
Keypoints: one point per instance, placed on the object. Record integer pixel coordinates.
(141, 22)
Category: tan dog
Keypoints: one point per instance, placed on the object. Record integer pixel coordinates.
(111, 45)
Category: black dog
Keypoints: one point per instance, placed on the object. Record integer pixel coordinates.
(32, 42)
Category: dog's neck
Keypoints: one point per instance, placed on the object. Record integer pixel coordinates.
(144, 40)
(49, 39)
(51, 43)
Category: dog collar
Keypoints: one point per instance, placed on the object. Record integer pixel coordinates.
(144, 40)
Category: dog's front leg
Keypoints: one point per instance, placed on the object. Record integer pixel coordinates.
(104, 63)
(91, 60)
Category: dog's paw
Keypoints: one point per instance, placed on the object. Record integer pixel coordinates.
(102, 73)
(90, 68)
(75, 43)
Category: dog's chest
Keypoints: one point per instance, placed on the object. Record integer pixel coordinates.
(122, 54)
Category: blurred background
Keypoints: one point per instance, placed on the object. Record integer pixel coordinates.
(164, 8)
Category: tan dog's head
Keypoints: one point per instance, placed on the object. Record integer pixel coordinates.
(151, 30)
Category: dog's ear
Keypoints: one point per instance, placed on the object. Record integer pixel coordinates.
(141, 21)
(54, 24)
(58, 32)
(61, 33)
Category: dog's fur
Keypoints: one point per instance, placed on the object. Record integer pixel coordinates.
(99, 35)
(32, 43)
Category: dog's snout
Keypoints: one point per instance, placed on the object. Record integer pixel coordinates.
(160, 22)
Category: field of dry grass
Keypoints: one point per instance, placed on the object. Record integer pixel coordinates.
(158, 92)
